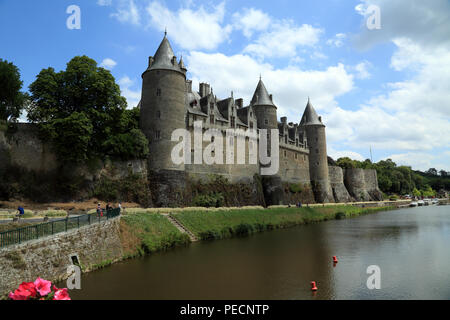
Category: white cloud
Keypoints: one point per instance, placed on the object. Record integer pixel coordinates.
(361, 70)
(342, 154)
(421, 160)
(424, 21)
(251, 20)
(127, 12)
(108, 63)
(191, 28)
(337, 41)
(283, 40)
(133, 96)
(290, 86)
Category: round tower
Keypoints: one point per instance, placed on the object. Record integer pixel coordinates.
(265, 109)
(162, 105)
(318, 159)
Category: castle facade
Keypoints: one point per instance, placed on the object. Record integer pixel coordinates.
(169, 102)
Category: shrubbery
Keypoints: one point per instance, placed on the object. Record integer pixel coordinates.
(209, 200)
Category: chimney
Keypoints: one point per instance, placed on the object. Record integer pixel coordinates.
(284, 120)
(271, 98)
(240, 103)
(204, 89)
(189, 86)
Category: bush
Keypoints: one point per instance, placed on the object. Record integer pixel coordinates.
(393, 198)
(340, 216)
(207, 201)
(295, 187)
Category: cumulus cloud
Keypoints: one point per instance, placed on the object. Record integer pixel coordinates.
(133, 96)
(337, 41)
(127, 12)
(424, 21)
(191, 28)
(283, 40)
(251, 20)
(290, 86)
(108, 63)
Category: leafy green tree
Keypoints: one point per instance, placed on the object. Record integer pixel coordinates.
(346, 163)
(92, 93)
(416, 193)
(12, 100)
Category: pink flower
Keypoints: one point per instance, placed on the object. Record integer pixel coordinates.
(61, 294)
(26, 291)
(43, 286)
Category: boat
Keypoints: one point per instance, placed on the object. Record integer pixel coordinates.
(413, 204)
(420, 203)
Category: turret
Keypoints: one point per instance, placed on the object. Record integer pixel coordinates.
(312, 124)
(163, 105)
(265, 109)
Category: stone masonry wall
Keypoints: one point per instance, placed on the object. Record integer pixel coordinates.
(340, 193)
(49, 257)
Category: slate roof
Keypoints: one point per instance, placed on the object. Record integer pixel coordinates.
(261, 97)
(310, 116)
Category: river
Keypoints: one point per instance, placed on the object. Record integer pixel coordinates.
(410, 246)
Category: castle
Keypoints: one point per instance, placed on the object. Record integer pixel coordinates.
(169, 103)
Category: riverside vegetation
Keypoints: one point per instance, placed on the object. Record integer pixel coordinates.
(145, 232)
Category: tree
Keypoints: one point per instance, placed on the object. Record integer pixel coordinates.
(12, 100)
(90, 92)
(432, 172)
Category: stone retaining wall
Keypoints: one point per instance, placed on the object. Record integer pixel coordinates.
(50, 257)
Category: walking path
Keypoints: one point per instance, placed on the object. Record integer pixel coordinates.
(180, 226)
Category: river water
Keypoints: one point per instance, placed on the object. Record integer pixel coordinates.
(410, 246)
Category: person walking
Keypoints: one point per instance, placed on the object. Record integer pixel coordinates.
(99, 211)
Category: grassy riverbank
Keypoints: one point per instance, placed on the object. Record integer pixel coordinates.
(229, 223)
(143, 233)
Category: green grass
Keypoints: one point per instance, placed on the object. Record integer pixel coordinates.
(154, 231)
(225, 224)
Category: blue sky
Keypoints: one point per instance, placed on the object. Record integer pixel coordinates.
(386, 88)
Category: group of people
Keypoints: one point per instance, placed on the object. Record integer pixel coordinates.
(108, 207)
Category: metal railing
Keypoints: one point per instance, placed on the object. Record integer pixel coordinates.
(37, 231)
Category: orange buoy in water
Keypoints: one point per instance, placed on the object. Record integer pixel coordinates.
(313, 286)
(335, 260)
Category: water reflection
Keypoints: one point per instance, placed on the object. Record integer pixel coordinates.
(410, 246)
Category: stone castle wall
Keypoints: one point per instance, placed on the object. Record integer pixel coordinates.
(50, 257)
(340, 192)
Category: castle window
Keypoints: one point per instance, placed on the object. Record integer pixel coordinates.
(158, 92)
(211, 119)
(296, 156)
(212, 138)
(266, 121)
(157, 135)
(233, 122)
(251, 114)
(285, 154)
(317, 151)
(195, 118)
(158, 114)
(251, 125)
(285, 139)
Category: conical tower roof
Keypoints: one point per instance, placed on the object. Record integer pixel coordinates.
(261, 97)
(165, 58)
(310, 116)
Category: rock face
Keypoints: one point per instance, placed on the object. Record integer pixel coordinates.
(340, 192)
